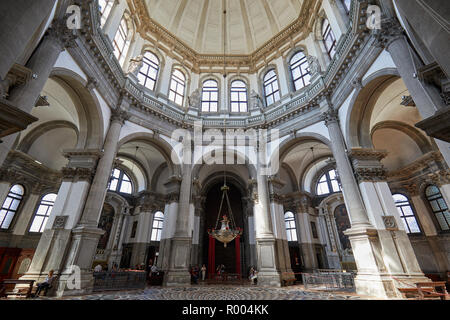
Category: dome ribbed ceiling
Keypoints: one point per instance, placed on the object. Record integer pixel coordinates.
(199, 23)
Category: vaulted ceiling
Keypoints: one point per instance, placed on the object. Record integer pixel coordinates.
(199, 24)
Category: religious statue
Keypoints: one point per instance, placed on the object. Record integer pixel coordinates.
(225, 223)
(314, 66)
(255, 100)
(136, 64)
(195, 99)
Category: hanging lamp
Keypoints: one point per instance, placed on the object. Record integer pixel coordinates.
(226, 233)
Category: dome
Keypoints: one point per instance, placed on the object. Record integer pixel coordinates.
(199, 25)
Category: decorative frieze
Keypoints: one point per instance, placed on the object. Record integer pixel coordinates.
(78, 174)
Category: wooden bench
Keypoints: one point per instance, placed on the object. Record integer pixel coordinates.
(289, 279)
(26, 291)
(428, 290)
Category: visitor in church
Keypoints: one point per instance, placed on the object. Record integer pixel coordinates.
(47, 283)
(253, 275)
(98, 268)
(203, 272)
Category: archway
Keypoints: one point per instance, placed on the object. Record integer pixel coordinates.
(223, 255)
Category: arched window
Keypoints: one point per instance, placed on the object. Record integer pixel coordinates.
(347, 5)
(105, 7)
(120, 182)
(210, 96)
(149, 72)
(328, 38)
(406, 213)
(121, 41)
(271, 89)
(43, 212)
(158, 221)
(11, 205)
(291, 230)
(439, 207)
(239, 100)
(300, 71)
(328, 183)
(177, 87)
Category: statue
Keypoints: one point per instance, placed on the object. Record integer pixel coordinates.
(195, 99)
(255, 100)
(314, 66)
(136, 64)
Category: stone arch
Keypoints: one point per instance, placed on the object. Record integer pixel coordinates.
(34, 134)
(362, 104)
(89, 112)
(424, 145)
(158, 143)
(139, 165)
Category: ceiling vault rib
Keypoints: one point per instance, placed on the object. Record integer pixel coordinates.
(273, 24)
(248, 33)
(177, 18)
(201, 27)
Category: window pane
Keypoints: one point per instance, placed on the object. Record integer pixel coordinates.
(412, 223)
(35, 226)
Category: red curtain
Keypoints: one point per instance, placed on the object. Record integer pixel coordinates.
(211, 256)
(237, 244)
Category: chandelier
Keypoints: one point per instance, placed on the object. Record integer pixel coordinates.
(225, 233)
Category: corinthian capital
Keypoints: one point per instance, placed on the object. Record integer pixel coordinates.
(390, 31)
(330, 116)
(119, 115)
(60, 33)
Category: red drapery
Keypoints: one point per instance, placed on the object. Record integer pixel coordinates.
(237, 244)
(211, 256)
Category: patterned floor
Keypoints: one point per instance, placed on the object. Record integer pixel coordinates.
(218, 293)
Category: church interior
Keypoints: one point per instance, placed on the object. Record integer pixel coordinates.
(271, 144)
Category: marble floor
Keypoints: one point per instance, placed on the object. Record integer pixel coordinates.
(218, 293)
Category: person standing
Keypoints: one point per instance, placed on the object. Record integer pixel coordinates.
(203, 272)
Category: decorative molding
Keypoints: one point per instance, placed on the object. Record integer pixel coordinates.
(60, 222)
(390, 31)
(370, 174)
(77, 174)
(330, 116)
(390, 223)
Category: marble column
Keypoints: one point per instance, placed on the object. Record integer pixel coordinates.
(86, 233)
(20, 19)
(396, 250)
(180, 252)
(279, 228)
(300, 208)
(269, 274)
(426, 97)
(41, 62)
(372, 248)
(55, 239)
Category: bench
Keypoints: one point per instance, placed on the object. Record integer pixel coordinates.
(26, 291)
(429, 290)
(425, 290)
(288, 279)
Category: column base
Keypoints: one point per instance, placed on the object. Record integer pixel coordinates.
(175, 278)
(69, 285)
(385, 285)
(180, 257)
(268, 273)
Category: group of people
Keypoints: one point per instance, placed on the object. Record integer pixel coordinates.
(197, 272)
(99, 268)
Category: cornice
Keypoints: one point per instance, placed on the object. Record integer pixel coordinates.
(301, 26)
